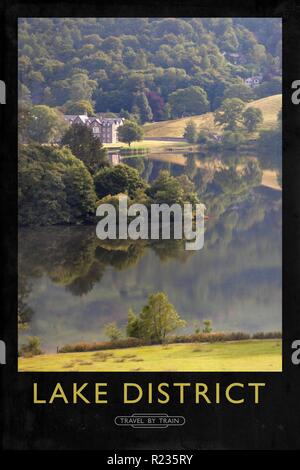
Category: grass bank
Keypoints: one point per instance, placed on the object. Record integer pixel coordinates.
(163, 132)
(269, 107)
(159, 145)
(236, 356)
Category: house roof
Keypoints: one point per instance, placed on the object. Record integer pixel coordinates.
(254, 77)
(89, 120)
(94, 119)
(83, 117)
(111, 120)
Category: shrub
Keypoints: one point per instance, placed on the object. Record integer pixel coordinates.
(268, 335)
(215, 337)
(210, 337)
(232, 140)
(112, 331)
(203, 137)
(211, 140)
(103, 345)
(207, 326)
(32, 347)
(190, 132)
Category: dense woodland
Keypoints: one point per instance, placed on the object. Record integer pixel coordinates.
(140, 66)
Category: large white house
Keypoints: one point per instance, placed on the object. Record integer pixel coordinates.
(106, 129)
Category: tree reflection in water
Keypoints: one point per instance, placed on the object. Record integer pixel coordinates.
(71, 283)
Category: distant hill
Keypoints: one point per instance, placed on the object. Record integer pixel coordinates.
(175, 128)
(141, 66)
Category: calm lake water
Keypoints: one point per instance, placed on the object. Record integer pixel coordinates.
(71, 283)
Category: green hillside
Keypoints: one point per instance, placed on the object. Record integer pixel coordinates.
(149, 68)
(175, 128)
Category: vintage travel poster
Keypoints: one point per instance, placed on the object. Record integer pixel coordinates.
(150, 229)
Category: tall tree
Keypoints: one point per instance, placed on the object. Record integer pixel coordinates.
(190, 132)
(142, 103)
(118, 179)
(230, 113)
(85, 146)
(133, 328)
(81, 87)
(112, 331)
(130, 132)
(159, 318)
(188, 101)
(252, 118)
(239, 90)
(46, 124)
(54, 187)
(79, 107)
(157, 104)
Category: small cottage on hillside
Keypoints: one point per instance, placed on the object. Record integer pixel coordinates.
(253, 81)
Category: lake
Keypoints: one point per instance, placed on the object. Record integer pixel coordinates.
(71, 284)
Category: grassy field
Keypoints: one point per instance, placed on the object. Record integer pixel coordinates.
(152, 145)
(237, 356)
(175, 128)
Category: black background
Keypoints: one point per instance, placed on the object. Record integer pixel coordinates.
(275, 423)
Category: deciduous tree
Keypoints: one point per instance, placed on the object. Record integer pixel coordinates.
(118, 179)
(85, 146)
(188, 101)
(159, 318)
(190, 132)
(252, 118)
(230, 113)
(46, 124)
(112, 331)
(54, 187)
(130, 132)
